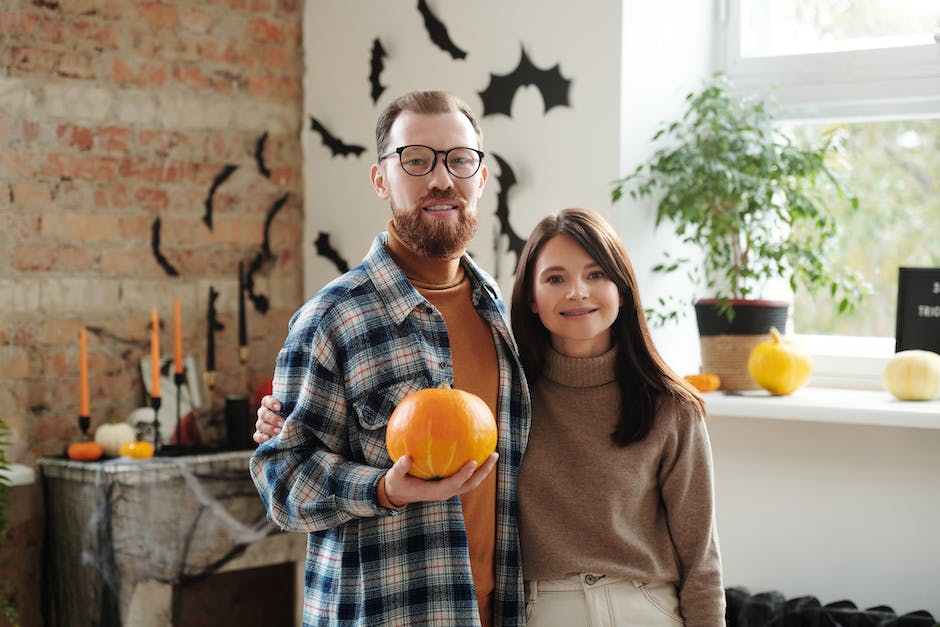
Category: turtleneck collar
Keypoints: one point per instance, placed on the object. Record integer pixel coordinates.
(422, 271)
(580, 372)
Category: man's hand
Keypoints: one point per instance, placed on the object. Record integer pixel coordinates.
(269, 423)
(401, 488)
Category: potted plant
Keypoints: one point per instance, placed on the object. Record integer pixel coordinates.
(737, 189)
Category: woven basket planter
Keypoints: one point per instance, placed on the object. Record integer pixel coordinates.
(726, 345)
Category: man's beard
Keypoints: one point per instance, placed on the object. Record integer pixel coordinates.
(443, 239)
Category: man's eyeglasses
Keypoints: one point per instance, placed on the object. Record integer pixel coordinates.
(418, 160)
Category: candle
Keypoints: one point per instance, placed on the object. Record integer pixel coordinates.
(177, 337)
(154, 354)
(83, 373)
(242, 331)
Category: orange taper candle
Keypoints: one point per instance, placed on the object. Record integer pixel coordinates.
(177, 338)
(83, 373)
(154, 354)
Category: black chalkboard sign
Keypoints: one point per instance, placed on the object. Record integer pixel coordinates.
(918, 321)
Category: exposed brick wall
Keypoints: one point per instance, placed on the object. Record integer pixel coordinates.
(114, 113)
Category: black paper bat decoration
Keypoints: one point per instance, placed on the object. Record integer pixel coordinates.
(216, 182)
(259, 156)
(438, 32)
(506, 179)
(498, 95)
(377, 66)
(260, 301)
(268, 219)
(325, 249)
(155, 245)
(336, 146)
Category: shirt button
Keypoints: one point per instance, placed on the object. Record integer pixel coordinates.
(590, 579)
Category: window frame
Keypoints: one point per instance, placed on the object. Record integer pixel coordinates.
(860, 85)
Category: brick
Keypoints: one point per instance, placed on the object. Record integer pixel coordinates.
(59, 331)
(77, 65)
(80, 137)
(195, 19)
(30, 130)
(57, 362)
(265, 31)
(15, 22)
(78, 7)
(122, 73)
(133, 227)
(157, 14)
(114, 139)
(110, 194)
(153, 75)
(81, 167)
(155, 200)
(191, 77)
(16, 164)
(122, 263)
(31, 194)
(33, 257)
(95, 228)
(90, 32)
(14, 363)
(33, 60)
(75, 259)
(19, 225)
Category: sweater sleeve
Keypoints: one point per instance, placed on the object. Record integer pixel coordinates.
(686, 477)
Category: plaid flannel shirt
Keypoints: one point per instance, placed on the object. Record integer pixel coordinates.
(351, 354)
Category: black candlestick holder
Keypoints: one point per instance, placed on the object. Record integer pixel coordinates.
(84, 422)
(179, 378)
(155, 403)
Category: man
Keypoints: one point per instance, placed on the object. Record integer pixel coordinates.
(386, 548)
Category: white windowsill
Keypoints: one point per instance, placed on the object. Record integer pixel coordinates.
(830, 405)
(21, 475)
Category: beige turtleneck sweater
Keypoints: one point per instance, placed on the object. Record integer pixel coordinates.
(643, 512)
(473, 351)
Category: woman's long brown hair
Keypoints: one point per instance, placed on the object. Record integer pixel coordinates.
(644, 378)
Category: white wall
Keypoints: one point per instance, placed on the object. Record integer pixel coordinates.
(830, 510)
(565, 157)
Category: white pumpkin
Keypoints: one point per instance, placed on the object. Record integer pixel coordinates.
(111, 435)
(913, 375)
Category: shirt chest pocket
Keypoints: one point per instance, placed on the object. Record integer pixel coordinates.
(372, 414)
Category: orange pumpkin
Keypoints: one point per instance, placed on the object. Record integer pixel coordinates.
(85, 450)
(441, 429)
(704, 382)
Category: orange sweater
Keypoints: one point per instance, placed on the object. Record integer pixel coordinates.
(476, 370)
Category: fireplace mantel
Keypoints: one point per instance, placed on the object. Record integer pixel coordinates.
(122, 533)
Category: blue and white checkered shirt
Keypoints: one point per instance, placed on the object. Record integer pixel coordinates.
(351, 354)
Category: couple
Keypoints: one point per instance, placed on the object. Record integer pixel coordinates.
(608, 516)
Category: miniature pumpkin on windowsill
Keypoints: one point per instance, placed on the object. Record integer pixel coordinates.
(441, 429)
(778, 365)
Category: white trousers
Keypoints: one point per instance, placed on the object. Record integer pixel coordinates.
(589, 600)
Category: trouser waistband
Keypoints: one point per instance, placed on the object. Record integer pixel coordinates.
(580, 581)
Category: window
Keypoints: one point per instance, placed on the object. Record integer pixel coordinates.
(868, 70)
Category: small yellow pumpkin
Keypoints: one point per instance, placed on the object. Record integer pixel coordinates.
(778, 365)
(913, 375)
(138, 449)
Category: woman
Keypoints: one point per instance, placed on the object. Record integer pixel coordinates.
(615, 490)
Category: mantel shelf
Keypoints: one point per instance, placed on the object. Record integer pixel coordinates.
(830, 405)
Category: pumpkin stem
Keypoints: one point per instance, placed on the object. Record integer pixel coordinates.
(445, 385)
(775, 334)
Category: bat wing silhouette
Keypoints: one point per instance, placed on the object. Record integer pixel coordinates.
(220, 178)
(259, 156)
(377, 66)
(325, 249)
(438, 32)
(336, 146)
(498, 95)
(155, 245)
(506, 180)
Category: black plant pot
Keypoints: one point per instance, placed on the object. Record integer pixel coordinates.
(726, 345)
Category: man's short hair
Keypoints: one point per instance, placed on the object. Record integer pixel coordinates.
(425, 103)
